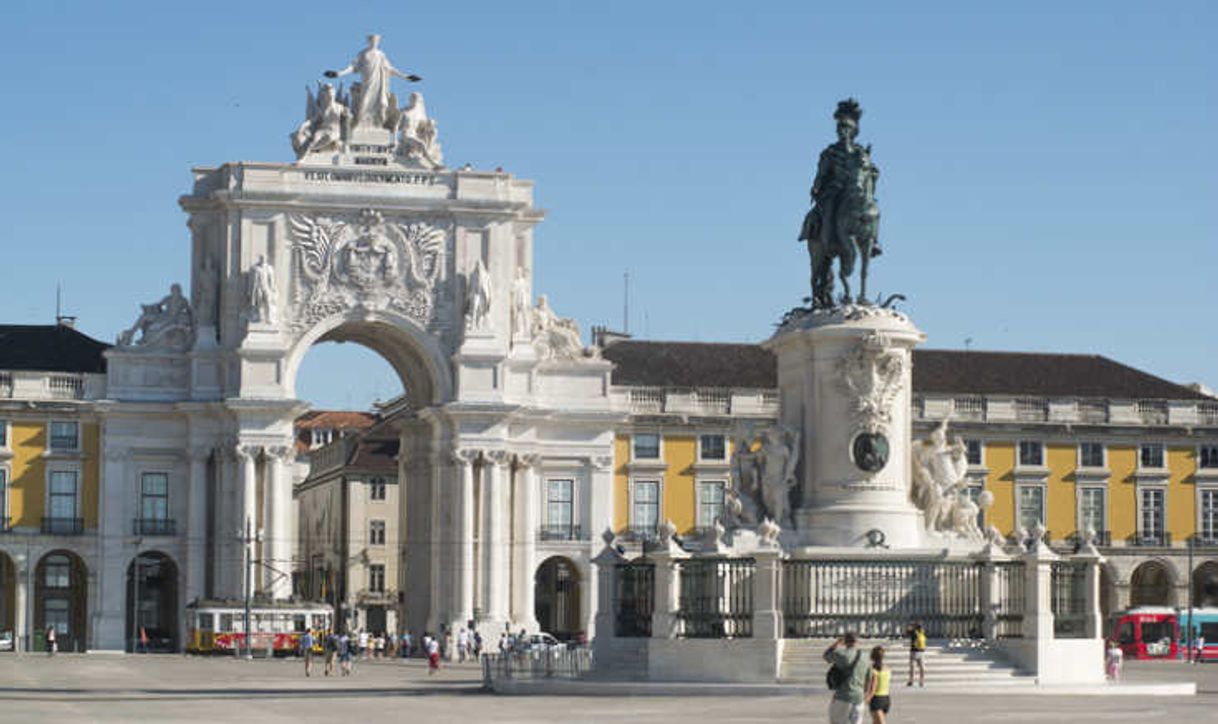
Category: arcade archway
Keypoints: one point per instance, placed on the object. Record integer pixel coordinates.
(8, 595)
(556, 596)
(1151, 585)
(61, 583)
(152, 604)
(1205, 585)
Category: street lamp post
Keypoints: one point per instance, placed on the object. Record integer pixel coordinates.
(246, 541)
(1190, 596)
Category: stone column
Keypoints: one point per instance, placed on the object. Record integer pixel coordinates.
(277, 534)
(495, 539)
(667, 584)
(524, 557)
(464, 460)
(21, 622)
(116, 500)
(606, 563)
(1091, 558)
(196, 524)
(988, 592)
(247, 461)
(595, 515)
(767, 609)
(1038, 604)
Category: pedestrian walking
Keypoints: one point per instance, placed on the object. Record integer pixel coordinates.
(1113, 658)
(344, 654)
(52, 644)
(878, 684)
(462, 644)
(1200, 648)
(331, 647)
(407, 644)
(848, 679)
(477, 644)
(433, 655)
(917, 652)
(306, 650)
(363, 644)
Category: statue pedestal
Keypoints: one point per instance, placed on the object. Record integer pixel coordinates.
(844, 381)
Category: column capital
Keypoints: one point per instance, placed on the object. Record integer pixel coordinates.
(500, 458)
(601, 463)
(280, 453)
(246, 452)
(464, 455)
(199, 453)
(528, 460)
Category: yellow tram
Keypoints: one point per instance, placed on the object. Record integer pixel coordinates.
(218, 627)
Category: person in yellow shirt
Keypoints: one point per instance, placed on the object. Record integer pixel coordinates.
(878, 680)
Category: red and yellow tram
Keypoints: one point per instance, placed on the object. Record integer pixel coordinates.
(218, 627)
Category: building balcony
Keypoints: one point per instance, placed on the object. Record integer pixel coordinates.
(1150, 540)
(1201, 540)
(560, 532)
(1103, 538)
(641, 534)
(154, 526)
(63, 526)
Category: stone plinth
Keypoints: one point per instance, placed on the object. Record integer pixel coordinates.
(844, 383)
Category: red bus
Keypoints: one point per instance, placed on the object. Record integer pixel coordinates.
(1148, 632)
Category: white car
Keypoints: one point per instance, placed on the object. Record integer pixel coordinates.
(6, 640)
(543, 642)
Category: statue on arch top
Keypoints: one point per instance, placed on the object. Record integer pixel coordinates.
(844, 221)
(326, 122)
(373, 103)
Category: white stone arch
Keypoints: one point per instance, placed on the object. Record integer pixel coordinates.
(415, 355)
(1174, 577)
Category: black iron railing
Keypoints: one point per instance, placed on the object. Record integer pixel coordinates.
(1068, 593)
(1103, 538)
(63, 526)
(1011, 584)
(1201, 540)
(635, 585)
(716, 598)
(1161, 539)
(565, 531)
(823, 599)
(564, 663)
(641, 533)
(154, 526)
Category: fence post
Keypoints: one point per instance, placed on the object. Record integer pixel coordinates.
(767, 608)
(989, 592)
(606, 563)
(1038, 606)
(1093, 621)
(667, 584)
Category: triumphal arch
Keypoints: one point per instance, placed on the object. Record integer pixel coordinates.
(366, 237)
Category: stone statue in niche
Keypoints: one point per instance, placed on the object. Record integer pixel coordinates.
(418, 141)
(262, 291)
(555, 337)
(478, 298)
(844, 221)
(940, 486)
(168, 324)
(521, 315)
(372, 100)
(326, 122)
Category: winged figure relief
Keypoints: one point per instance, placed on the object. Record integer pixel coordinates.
(424, 251)
(315, 243)
(873, 375)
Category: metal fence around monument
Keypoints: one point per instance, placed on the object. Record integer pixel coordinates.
(715, 598)
(1010, 586)
(823, 599)
(634, 596)
(1068, 593)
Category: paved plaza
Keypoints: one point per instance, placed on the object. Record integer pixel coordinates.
(184, 689)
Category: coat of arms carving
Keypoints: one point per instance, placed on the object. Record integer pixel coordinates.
(365, 261)
(872, 372)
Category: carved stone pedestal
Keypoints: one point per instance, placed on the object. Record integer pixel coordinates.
(844, 380)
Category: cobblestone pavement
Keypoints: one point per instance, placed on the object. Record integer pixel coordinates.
(112, 688)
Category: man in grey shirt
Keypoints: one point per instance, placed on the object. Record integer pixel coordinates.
(847, 704)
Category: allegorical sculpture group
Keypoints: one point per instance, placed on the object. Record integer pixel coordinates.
(332, 115)
(844, 221)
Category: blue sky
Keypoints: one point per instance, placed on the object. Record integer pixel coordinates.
(1048, 169)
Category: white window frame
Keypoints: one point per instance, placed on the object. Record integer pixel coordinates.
(140, 493)
(980, 444)
(699, 484)
(726, 450)
(50, 448)
(1044, 503)
(374, 482)
(574, 482)
(1162, 450)
(659, 458)
(1019, 463)
(1103, 455)
(634, 483)
(1079, 523)
(61, 468)
(1200, 528)
(384, 577)
(1162, 489)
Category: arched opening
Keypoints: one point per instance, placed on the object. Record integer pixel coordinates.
(152, 604)
(8, 596)
(1205, 585)
(556, 598)
(1150, 585)
(61, 584)
(347, 497)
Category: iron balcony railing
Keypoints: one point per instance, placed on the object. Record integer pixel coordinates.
(154, 526)
(1203, 540)
(560, 531)
(63, 526)
(641, 533)
(1150, 540)
(1103, 538)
